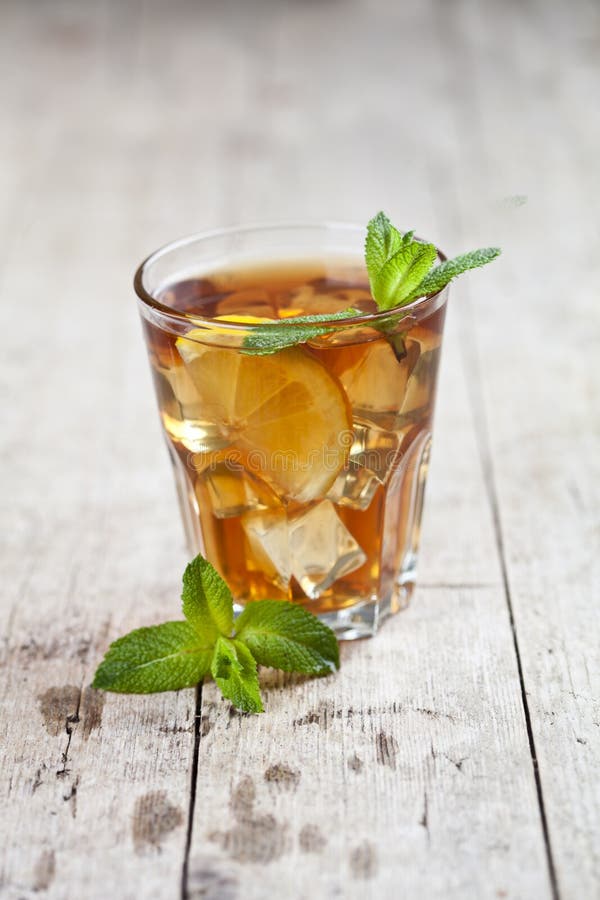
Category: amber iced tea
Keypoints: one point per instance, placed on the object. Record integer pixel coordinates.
(300, 473)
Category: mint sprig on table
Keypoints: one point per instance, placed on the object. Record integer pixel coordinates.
(400, 268)
(177, 655)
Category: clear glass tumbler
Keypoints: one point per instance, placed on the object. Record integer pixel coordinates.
(300, 455)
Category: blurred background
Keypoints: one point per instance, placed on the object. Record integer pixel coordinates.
(140, 121)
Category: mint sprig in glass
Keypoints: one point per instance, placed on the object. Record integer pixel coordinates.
(401, 269)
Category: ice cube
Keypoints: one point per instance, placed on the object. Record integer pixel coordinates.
(347, 290)
(354, 487)
(309, 301)
(232, 491)
(268, 539)
(421, 384)
(321, 549)
(249, 302)
(375, 449)
(425, 347)
(182, 413)
(374, 377)
(191, 295)
(209, 446)
(372, 456)
(315, 547)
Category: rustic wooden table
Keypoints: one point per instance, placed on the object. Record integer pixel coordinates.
(457, 754)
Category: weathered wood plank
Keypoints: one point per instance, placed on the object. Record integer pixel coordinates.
(95, 791)
(536, 391)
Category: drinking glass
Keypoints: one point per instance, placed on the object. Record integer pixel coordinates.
(300, 456)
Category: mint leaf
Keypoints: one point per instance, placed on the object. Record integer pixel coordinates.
(264, 339)
(440, 276)
(234, 669)
(400, 268)
(383, 240)
(402, 273)
(206, 600)
(286, 636)
(163, 657)
(177, 655)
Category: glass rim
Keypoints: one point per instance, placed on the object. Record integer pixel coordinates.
(238, 327)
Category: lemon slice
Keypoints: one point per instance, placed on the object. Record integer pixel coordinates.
(244, 320)
(285, 412)
(225, 336)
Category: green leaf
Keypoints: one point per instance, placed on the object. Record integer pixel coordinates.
(402, 273)
(234, 669)
(383, 240)
(264, 339)
(286, 636)
(440, 276)
(164, 657)
(207, 601)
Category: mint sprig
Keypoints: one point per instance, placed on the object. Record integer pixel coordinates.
(288, 637)
(400, 268)
(264, 339)
(163, 657)
(401, 274)
(206, 600)
(234, 669)
(439, 277)
(177, 655)
(383, 241)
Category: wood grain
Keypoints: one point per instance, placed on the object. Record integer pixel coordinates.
(538, 427)
(457, 754)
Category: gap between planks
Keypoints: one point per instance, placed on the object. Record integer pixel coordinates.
(192, 799)
(472, 368)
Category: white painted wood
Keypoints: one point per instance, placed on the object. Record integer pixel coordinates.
(101, 811)
(126, 124)
(536, 390)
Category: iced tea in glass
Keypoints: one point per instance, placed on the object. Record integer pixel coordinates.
(300, 472)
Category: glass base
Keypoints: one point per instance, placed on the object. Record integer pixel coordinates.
(364, 618)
